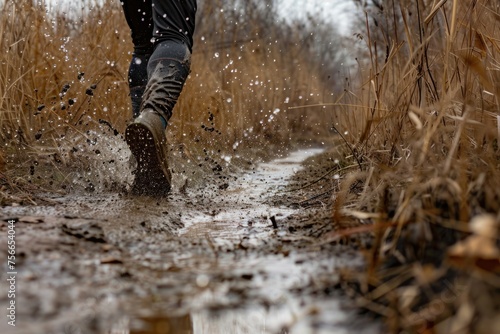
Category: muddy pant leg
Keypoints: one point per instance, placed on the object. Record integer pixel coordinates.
(168, 69)
(138, 14)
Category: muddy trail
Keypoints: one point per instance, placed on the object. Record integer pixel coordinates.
(232, 260)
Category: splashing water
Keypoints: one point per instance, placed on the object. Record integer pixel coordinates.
(104, 161)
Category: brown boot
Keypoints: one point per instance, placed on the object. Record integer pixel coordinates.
(148, 143)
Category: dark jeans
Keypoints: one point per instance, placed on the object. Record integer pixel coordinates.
(162, 34)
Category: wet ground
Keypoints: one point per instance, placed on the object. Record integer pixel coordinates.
(229, 260)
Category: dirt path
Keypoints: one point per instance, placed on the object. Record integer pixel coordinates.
(196, 262)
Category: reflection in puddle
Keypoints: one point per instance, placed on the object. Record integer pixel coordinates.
(232, 322)
(162, 325)
(325, 318)
(220, 322)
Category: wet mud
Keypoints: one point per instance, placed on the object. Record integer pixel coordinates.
(230, 260)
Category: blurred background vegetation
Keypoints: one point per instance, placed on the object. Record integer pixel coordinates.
(65, 69)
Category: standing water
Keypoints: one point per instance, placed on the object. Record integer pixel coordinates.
(243, 215)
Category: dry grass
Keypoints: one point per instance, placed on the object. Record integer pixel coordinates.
(424, 127)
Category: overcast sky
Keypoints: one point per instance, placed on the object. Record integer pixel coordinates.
(331, 10)
(338, 11)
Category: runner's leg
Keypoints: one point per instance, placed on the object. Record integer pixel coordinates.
(138, 14)
(169, 65)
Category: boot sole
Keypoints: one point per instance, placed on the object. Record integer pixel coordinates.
(150, 179)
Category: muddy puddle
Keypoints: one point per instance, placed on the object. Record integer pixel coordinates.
(224, 261)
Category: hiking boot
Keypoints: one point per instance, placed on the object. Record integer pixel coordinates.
(147, 141)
